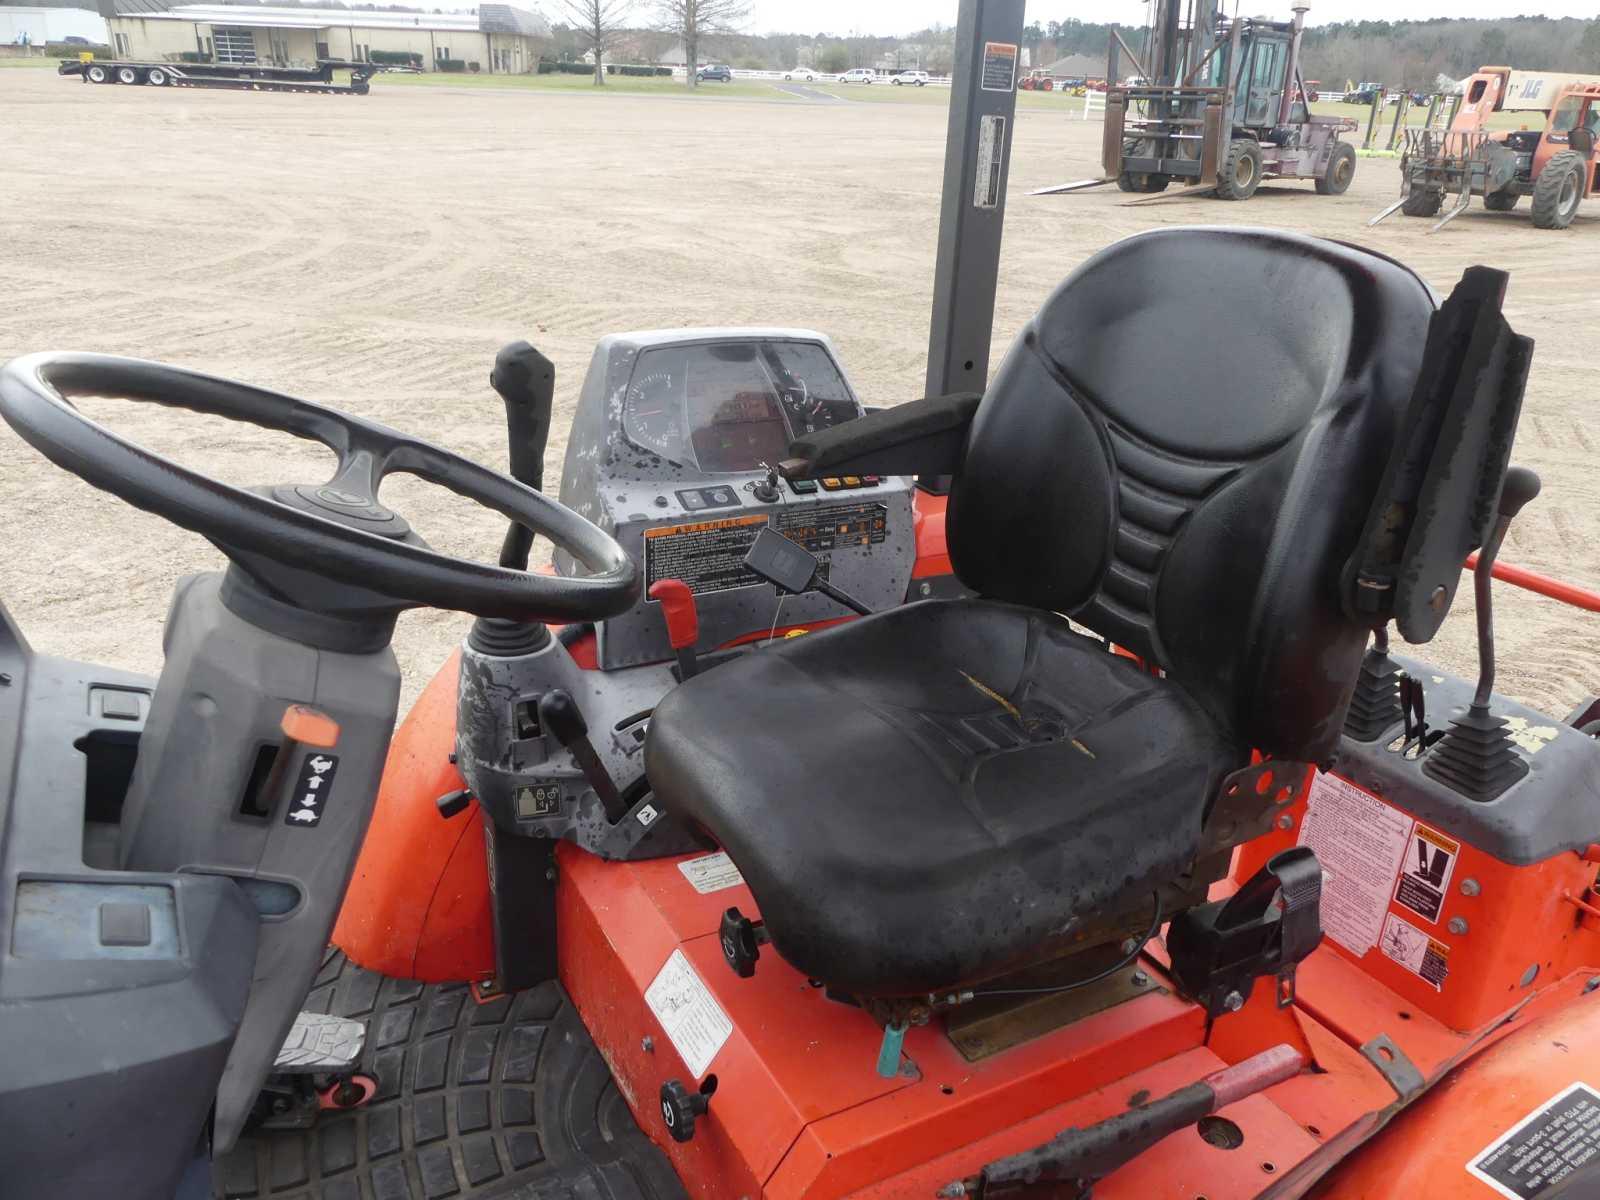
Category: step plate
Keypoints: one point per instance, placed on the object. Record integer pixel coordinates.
(507, 1098)
(320, 1043)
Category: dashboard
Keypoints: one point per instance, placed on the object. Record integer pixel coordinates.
(725, 407)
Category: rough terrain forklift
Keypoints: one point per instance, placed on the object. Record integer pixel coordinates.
(1218, 106)
(787, 839)
(1555, 166)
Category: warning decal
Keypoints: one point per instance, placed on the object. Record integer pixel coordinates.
(1359, 840)
(711, 872)
(1422, 955)
(1425, 877)
(689, 1013)
(999, 72)
(1545, 1149)
(708, 556)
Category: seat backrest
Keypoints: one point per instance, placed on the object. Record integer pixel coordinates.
(1179, 452)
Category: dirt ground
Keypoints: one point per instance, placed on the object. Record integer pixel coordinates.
(373, 253)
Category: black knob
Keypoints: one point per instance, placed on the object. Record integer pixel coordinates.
(680, 1107)
(741, 940)
(767, 490)
(1521, 485)
(560, 715)
(451, 803)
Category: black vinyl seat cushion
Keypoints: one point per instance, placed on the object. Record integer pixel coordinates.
(931, 795)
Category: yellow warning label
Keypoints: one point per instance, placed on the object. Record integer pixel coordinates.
(704, 526)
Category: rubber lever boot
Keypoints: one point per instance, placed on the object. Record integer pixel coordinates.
(683, 622)
(559, 715)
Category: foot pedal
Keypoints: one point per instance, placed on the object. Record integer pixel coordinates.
(319, 1044)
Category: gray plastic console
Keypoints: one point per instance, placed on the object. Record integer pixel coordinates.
(1554, 807)
(120, 991)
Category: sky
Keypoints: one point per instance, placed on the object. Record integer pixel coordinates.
(889, 17)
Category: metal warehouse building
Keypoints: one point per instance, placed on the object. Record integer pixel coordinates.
(502, 39)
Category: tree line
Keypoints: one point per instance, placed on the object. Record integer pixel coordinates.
(1402, 54)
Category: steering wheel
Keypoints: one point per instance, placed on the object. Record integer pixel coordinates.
(337, 530)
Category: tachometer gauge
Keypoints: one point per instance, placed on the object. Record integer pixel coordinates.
(652, 414)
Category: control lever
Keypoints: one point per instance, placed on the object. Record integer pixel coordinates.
(683, 622)
(560, 716)
(1521, 485)
(526, 382)
(1476, 756)
(790, 567)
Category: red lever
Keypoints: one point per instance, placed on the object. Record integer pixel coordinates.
(677, 606)
(683, 621)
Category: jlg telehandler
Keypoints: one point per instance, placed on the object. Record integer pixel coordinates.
(1556, 166)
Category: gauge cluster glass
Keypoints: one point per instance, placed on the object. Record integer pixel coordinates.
(730, 406)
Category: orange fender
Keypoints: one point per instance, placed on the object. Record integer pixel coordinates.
(418, 904)
(1424, 1153)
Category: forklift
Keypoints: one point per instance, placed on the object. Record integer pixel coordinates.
(1217, 105)
(787, 839)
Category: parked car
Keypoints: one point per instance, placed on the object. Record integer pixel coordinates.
(920, 78)
(805, 74)
(857, 75)
(717, 71)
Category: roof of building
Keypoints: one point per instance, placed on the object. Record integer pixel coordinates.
(490, 18)
(1078, 64)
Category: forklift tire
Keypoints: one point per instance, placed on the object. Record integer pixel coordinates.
(127, 75)
(1241, 170)
(1558, 190)
(95, 73)
(1424, 202)
(1341, 170)
(156, 78)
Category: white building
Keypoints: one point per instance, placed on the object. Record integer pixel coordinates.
(40, 25)
(501, 39)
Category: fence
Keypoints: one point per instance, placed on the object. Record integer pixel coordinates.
(1093, 102)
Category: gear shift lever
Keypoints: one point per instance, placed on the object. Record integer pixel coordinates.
(1521, 485)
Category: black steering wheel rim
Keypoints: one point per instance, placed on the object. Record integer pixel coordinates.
(34, 391)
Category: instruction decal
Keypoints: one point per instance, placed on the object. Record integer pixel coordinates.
(689, 1013)
(999, 67)
(708, 556)
(1420, 953)
(991, 155)
(1359, 840)
(711, 872)
(1545, 1149)
(312, 790)
(1425, 872)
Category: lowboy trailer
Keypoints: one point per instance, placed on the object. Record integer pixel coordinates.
(238, 76)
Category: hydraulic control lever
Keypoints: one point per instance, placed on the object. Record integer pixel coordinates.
(1477, 757)
(560, 716)
(683, 622)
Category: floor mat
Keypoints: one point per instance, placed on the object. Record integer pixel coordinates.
(507, 1100)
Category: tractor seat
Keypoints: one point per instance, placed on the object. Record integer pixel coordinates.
(924, 796)
(1180, 452)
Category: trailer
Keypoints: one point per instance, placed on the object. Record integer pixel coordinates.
(254, 77)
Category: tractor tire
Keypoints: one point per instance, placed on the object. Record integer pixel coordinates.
(1241, 170)
(1341, 170)
(95, 73)
(1501, 201)
(1558, 190)
(1423, 203)
(157, 77)
(127, 75)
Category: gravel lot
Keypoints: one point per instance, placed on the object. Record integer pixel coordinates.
(373, 253)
